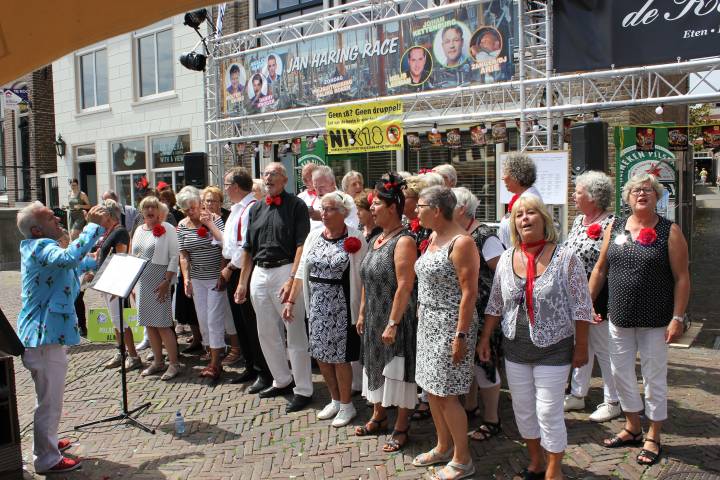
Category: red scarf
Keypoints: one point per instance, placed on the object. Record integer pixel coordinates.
(512, 201)
(530, 274)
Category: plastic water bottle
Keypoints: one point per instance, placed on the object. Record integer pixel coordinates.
(179, 423)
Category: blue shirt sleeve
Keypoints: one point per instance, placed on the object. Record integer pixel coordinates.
(52, 254)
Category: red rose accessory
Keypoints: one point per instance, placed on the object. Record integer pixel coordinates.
(647, 237)
(389, 185)
(158, 230)
(423, 245)
(370, 197)
(415, 225)
(352, 244)
(275, 200)
(202, 232)
(594, 231)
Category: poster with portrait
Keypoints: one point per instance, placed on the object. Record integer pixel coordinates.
(466, 45)
(453, 138)
(645, 139)
(499, 132)
(296, 146)
(435, 139)
(477, 135)
(677, 139)
(711, 136)
(267, 149)
(413, 141)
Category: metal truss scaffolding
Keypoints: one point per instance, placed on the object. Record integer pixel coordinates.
(537, 96)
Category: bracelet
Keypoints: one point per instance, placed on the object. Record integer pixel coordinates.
(678, 318)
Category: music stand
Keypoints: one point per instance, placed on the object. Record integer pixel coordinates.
(117, 276)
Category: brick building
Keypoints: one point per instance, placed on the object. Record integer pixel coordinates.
(27, 143)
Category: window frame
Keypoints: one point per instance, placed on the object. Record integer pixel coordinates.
(137, 71)
(278, 12)
(79, 78)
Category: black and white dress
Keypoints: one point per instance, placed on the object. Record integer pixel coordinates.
(439, 297)
(333, 337)
(151, 313)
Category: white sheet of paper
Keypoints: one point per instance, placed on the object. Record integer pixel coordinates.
(552, 177)
(118, 276)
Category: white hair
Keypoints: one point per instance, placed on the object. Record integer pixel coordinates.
(164, 211)
(599, 186)
(323, 171)
(447, 170)
(345, 183)
(186, 196)
(433, 179)
(261, 186)
(639, 179)
(113, 208)
(342, 201)
(465, 198)
(404, 174)
(26, 218)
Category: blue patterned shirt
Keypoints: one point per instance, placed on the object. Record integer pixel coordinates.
(49, 288)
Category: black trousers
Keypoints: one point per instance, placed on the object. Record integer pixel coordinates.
(246, 326)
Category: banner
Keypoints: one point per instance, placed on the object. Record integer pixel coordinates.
(468, 45)
(454, 139)
(100, 327)
(413, 141)
(371, 127)
(591, 34)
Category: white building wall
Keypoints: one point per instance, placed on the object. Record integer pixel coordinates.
(126, 116)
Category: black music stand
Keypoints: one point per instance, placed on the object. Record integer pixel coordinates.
(117, 276)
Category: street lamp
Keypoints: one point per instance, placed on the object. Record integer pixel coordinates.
(60, 146)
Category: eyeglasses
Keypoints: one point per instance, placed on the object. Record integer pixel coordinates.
(228, 184)
(270, 174)
(212, 201)
(637, 191)
(328, 209)
(417, 207)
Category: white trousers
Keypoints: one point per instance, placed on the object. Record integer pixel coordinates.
(598, 344)
(265, 286)
(625, 344)
(482, 379)
(48, 367)
(111, 302)
(537, 393)
(212, 308)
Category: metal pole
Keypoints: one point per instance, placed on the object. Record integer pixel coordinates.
(521, 63)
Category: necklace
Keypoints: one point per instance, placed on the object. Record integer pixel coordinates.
(587, 222)
(384, 236)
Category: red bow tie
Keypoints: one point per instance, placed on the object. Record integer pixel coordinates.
(275, 200)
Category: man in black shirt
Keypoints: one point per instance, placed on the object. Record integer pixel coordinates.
(276, 231)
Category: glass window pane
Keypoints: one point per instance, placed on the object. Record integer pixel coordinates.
(288, 3)
(179, 179)
(101, 77)
(266, 6)
(88, 80)
(166, 78)
(138, 193)
(85, 150)
(168, 151)
(122, 187)
(146, 56)
(128, 155)
(163, 177)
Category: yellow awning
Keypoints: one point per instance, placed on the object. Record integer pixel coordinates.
(34, 33)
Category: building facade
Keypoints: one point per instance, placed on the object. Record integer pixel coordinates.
(128, 111)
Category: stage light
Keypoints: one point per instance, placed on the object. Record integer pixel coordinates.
(434, 129)
(193, 61)
(483, 128)
(659, 110)
(196, 18)
(535, 125)
(596, 116)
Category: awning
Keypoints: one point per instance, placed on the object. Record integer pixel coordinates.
(37, 32)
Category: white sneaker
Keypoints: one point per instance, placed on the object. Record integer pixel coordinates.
(605, 412)
(115, 361)
(132, 363)
(330, 410)
(573, 403)
(144, 345)
(345, 415)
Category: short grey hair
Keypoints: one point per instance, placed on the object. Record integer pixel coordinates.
(188, 195)
(113, 208)
(442, 198)
(261, 185)
(465, 198)
(345, 183)
(26, 218)
(323, 171)
(342, 201)
(639, 179)
(433, 179)
(521, 168)
(447, 170)
(111, 194)
(599, 186)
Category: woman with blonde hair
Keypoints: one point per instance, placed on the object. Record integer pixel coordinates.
(540, 296)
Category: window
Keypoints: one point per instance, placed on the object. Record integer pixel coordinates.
(93, 79)
(269, 11)
(129, 167)
(155, 62)
(167, 159)
(3, 175)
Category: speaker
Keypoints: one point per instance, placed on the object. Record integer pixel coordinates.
(589, 143)
(196, 169)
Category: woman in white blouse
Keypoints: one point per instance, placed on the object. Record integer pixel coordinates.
(540, 291)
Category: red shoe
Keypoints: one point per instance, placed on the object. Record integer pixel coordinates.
(64, 444)
(64, 465)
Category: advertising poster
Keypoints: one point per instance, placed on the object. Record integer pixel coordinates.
(477, 135)
(413, 141)
(373, 127)
(468, 45)
(499, 132)
(645, 139)
(435, 139)
(678, 139)
(453, 138)
(711, 136)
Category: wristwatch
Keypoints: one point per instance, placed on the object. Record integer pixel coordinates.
(678, 318)
(461, 335)
(393, 323)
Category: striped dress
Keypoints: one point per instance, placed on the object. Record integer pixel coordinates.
(205, 252)
(151, 313)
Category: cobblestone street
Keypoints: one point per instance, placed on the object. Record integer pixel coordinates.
(232, 435)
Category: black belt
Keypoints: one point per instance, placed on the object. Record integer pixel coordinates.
(274, 263)
(331, 281)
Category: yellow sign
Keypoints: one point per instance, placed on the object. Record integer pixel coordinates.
(370, 127)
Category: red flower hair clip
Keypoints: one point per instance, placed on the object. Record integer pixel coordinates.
(594, 231)
(415, 225)
(202, 232)
(389, 185)
(424, 171)
(352, 244)
(370, 197)
(158, 230)
(647, 236)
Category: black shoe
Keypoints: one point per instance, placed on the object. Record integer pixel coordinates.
(298, 403)
(249, 375)
(259, 385)
(271, 391)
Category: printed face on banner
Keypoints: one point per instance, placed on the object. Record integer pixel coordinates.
(678, 139)
(645, 139)
(460, 47)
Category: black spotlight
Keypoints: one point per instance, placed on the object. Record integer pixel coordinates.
(193, 61)
(196, 18)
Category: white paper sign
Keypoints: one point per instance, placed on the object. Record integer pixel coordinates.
(552, 177)
(119, 275)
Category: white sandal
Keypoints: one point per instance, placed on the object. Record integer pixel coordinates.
(464, 470)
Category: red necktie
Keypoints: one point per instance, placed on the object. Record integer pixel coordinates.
(239, 227)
